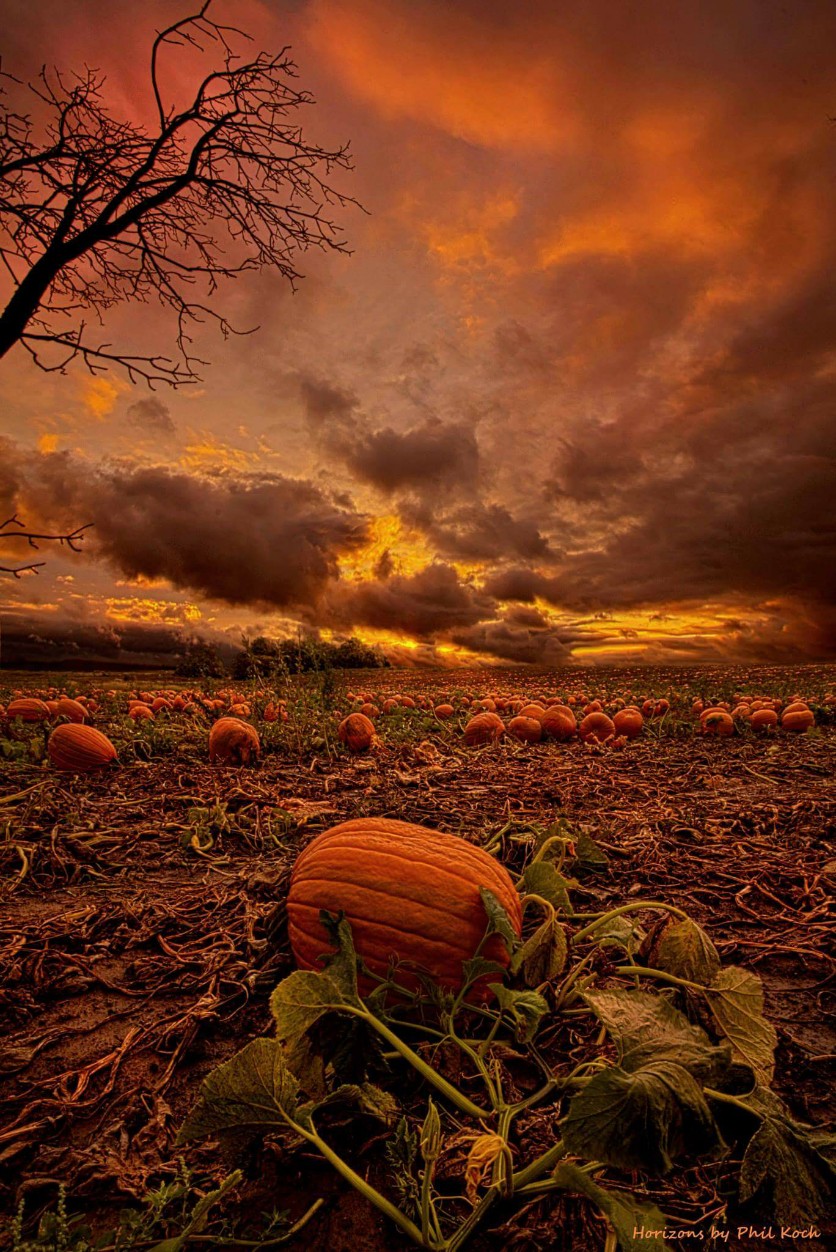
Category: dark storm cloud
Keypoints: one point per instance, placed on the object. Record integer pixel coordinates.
(482, 532)
(518, 644)
(428, 603)
(152, 415)
(429, 455)
(246, 540)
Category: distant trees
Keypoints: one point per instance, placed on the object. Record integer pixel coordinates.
(200, 660)
(95, 211)
(266, 658)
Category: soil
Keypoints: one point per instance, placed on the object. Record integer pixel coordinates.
(135, 957)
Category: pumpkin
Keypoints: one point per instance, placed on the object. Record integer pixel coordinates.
(241, 710)
(390, 705)
(594, 706)
(140, 713)
(73, 710)
(79, 749)
(526, 729)
(483, 728)
(407, 702)
(558, 722)
(764, 719)
(798, 720)
(628, 722)
(407, 892)
(28, 710)
(357, 732)
(161, 704)
(716, 722)
(596, 727)
(534, 710)
(233, 742)
(444, 711)
(370, 711)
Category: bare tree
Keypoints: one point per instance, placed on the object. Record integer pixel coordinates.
(13, 528)
(95, 211)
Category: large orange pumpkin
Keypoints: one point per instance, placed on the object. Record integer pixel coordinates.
(408, 893)
(716, 721)
(483, 728)
(764, 719)
(28, 710)
(798, 719)
(233, 742)
(79, 749)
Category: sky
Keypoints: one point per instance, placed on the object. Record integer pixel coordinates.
(568, 400)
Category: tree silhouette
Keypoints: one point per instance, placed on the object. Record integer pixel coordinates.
(95, 211)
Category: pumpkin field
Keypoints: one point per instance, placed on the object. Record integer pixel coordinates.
(561, 979)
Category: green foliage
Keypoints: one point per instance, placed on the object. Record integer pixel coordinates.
(200, 660)
(269, 659)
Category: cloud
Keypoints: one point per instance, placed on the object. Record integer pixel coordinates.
(150, 414)
(247, 539)
(427, 456)
(431, 602)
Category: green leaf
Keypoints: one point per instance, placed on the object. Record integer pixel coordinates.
(253, 1088)
(480, 967)
(499, 922)
(542, 879)
(638, 1227)
(589, 853)
(641, 1120)
(621, 931)
(736, 1002)
(684, 949)
(543, 954)
(199, 1214)
(300, 1000)
(791, 1162)
(647, 1028)
(526, 1009)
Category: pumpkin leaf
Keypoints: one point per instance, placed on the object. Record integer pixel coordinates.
(641, 1120)
(499, 922)
(791, 1164)
(647, 1028)
(542, 879)
(622, 932)
(301, 999)
(252, 1089)
(638, 1227)
(480, 967)
(543, 954)
(684, 949)
(735, 998)
(525, 1008)
(589, 853)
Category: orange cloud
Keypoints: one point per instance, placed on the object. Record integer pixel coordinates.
(455, 75)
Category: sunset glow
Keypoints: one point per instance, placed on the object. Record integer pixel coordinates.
(569, 400)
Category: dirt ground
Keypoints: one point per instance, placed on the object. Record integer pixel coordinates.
(140, 938)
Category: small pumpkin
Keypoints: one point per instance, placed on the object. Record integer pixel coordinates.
(140, 713)
(357, 732)
(764, 719)
(798, 720)
(526, 729)
(628, 722)
(483, 728)
(233, 742)
(717, 722)
(407, 892)
(558, 722)
(596, 727)
(78, 749)
(73, 710)
(444, 711)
